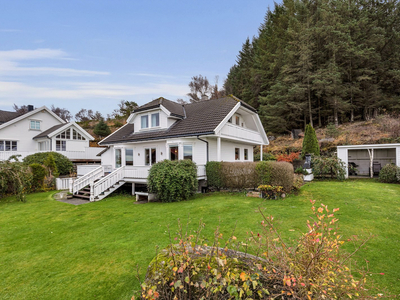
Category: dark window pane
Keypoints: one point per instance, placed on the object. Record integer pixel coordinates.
(153, 156)
(246, 154)
(237, 154)
(147, 157)
(117, 158)
(8, 146)
(173, 153)
(14, 146)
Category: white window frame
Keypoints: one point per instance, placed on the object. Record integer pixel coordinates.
(238, 159)
(63, 145)
(150, 156)
(37, 124)
(187, 145)
(144, 117)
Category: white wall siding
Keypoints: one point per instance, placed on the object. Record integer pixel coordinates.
(21, 132)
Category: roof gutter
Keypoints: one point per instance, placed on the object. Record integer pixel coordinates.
(204, 142)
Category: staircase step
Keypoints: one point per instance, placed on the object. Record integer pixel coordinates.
(82, 196)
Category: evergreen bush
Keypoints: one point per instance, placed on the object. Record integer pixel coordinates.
(264, 172)
(101, 129)
(173, 180)
(51, 166)
(266, 157)
(310, 142)
(64, 165)
(38, 175)
(389, 173)
(239, 175)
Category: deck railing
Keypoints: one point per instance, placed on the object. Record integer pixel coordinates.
(87, 179)
(106, 182)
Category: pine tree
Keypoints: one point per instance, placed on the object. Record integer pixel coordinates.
(310, 142)
(101, 129)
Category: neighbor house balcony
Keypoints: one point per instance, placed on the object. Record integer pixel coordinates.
(90, 154)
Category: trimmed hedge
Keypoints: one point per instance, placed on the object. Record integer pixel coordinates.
(241, 175)
(173, 180)
(64, 165)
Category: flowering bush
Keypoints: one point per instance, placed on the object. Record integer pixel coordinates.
(271, 191)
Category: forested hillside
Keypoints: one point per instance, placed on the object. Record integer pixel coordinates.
(321, 62)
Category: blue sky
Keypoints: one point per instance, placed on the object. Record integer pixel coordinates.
(92, 54)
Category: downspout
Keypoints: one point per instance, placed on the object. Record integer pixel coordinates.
(204, 142)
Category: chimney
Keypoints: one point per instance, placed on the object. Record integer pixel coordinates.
(30, 108)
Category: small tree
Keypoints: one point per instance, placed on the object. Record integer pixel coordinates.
(102, 129)
(310, 142)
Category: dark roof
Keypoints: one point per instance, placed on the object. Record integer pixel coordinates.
(176, 109)
(6, 116)
(48, 131)
(201, 118)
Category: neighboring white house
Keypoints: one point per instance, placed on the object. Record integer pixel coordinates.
(42, 130)
(224, 129)
(361, 156)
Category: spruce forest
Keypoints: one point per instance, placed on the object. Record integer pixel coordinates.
(319, 62)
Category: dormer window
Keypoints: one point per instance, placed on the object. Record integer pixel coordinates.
(237, 120)
(35, 125)
(145, 121)
(155, 120)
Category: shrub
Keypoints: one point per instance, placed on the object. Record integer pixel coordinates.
(270, 191)
(64, 165)
(314, 269)
(300, 170)
(214, 174)
(50, 163)
(297, 182)
(15, 178)
(117, 124)
(283, 175)
(389, 173)
(310, 142)
(332, 131)
(173, 180)
(266, 157)
(38, 175)
(288, 157)
(328, 166)
(239, 175)
(264, 172)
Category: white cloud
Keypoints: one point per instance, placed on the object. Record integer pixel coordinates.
(10, 63)
(87, 90)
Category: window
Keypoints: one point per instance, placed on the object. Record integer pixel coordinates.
(150, 156)
(246, 154)
(188, 152)
(237, 154)
(129, 157)
(8, 146)
(76, 135)
(35, 125)
(145, 121)
(43, 146)
(61, 146)
(237, 120)
(173, 153)
(118, 158)
(155, 120)
(65, 135)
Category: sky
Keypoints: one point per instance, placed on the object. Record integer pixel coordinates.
(92, 54)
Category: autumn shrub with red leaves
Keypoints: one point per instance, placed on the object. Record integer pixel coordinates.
(288, 157)
(315, 268)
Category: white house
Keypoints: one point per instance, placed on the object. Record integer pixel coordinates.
(42, 130)
(224, 129)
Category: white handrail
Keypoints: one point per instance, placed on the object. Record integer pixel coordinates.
(87, 179)
(106, 182)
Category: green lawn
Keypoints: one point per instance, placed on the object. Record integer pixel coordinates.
(54, 250)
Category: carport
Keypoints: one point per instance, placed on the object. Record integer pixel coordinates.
(365, 156)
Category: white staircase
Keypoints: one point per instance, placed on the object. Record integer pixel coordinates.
(94, 186)
(106, 185)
